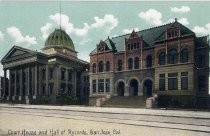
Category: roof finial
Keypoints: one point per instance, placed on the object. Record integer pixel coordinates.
(175, 19)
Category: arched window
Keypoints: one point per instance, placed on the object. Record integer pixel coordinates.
(100, 66)
(107, 66)
(94, 67)
(149, 61)
(136, 63)
(184, 56)
(119, 65)
(172, 56)
(130, 63)
(161, 58)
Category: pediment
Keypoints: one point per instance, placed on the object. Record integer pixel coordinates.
(17, 52)
(102, 46)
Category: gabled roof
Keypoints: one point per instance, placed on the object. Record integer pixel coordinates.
(149, 36)
(18, 51)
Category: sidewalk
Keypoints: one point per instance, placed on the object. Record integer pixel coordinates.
(152, 112)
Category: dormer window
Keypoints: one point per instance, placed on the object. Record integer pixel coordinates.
(133, 46)
(101, 48)
(173, 33)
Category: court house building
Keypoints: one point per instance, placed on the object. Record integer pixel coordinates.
(43, 75)
(169, 61)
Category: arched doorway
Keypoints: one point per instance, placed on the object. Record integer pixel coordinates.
(148, 88)
(120, 89)
(133, 91)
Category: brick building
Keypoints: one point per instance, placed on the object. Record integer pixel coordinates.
(167, 60)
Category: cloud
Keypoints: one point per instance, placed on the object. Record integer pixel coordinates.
(183, 21)
(45, 30)
(126, 31)
(15, 33)
(182, 9)
(152, 16)
(108, 22)
(202, 30)
(85, 41)
(1, 36)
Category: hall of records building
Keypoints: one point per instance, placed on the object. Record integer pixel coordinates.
(167, 60)
(35, 76)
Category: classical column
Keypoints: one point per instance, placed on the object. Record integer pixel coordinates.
(35, 81)
(21, 84)
(40, 81)
(66, 78)
(58, 80)
(15, 88)
(28, 81)
(4, 87)
(75, 82)
(47, 82)
(9, 85)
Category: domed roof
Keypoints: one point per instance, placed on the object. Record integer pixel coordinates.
(59, 38)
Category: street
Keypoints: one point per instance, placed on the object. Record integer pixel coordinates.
(18, 120)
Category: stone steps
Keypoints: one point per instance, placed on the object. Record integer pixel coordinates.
(126, 102)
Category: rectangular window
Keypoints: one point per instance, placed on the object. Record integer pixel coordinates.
(101, 85)
(43, 89)
(172, 81)
(137, 45)
(69, 75)
(63, 87)
(162, 82)
(51, 73)
(202, 83)
(184, 80)
(94, 85)
(43, 74)
(50, 88)
(63, 74)
(107, 85)
(69, 89)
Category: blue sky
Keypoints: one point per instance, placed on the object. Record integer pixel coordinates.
(28, 23)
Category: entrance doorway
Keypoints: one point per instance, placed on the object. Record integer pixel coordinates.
(133, 91)
(148, 88)
(120, 89)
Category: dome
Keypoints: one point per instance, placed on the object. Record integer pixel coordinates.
(59, 38)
